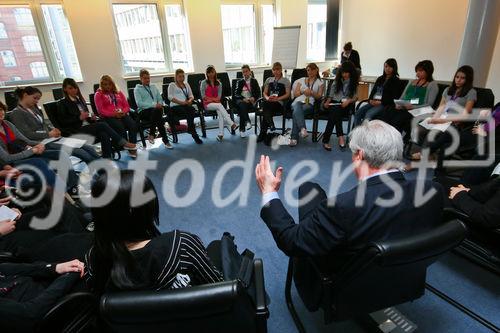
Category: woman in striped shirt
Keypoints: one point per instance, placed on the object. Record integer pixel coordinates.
(130, 253)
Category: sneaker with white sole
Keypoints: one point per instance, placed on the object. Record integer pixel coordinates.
(243, 134)
(292, 143)
(168, 145)
(303, 133)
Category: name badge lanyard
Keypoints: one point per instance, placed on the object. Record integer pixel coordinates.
(275, 86)
(310, 87)
(112, 96)
(185, 92)
(149, 92)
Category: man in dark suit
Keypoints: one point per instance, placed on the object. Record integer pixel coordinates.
(390, 207)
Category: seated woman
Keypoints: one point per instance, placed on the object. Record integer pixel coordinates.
(73, 115)
(383, 93)
(418, 93)
(306, 91)
(246, 94)
(29, 120)
(130, 253)
(211, 93)
(459, 94)
(181, 103)
(276, 92)
(342, 95)
(15, 148)
(150, 107)
(113, 107)
(29, 291)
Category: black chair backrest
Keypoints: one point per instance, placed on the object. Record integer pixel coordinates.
(92, 104)
(74, 313)
(194, 81)
(234, 83)
(168, 79)
(298, 73)
(217, 307)
(10, 100)
(391, 272)
(96, 86)
(485, 98)
(267, 74)
(164, 93)
(132, 83)
(226, 84)
(402, 85)
(58, 93)
(131, 99)
(437, 101)
(51, 111)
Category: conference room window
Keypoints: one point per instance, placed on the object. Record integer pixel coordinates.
(139, 34)
(61, 41)
(3, 32)
(178, 37)
(39, 70)
(316, 30)
(31, 44)
(37, 59)
(238, 30)
(8, 58)
(267, 14)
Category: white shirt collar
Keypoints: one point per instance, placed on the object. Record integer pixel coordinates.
(381, 172)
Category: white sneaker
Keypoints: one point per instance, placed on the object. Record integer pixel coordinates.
(243, 134)
(292, 143)
(303, 133)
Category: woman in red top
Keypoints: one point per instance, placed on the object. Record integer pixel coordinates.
(113, 107)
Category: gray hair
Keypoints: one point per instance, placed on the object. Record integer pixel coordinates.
(381, 144)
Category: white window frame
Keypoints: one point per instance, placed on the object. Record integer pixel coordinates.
(259, 32)
(41, 30)
(160, 10)
(4, 34)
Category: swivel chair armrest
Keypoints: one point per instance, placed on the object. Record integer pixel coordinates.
(361, 103)
(7, 257)
(260, 288)
(451, 213)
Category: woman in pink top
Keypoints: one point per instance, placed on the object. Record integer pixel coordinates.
(211, 93)
(113, 107)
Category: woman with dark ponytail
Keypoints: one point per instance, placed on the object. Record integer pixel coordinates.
(129, 252)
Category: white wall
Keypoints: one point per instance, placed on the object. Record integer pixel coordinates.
(494, 76)
(407, 30)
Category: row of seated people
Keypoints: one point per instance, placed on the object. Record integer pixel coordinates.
(127, 252)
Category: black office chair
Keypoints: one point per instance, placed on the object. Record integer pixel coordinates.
(266, 74)
(381, 275)
(481, 244)
(168, 79)
(10, 100)
(218, 307)
(51, 111)
(92, 104)
(194, 81)
(96, 86)
(132, 83)
(76, 312)
(57, 93)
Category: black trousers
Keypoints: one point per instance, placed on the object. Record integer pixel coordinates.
(335, 115)
(155, 116)
(244, 108)
(124, 125)
(184, 112)
(104, 134)
(400, 119)
(269, 109)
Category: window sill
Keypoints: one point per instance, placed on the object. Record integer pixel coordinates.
(42, 84)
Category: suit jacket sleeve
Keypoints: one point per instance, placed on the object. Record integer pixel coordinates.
(317, 234)
(68, 118)
(481, 203)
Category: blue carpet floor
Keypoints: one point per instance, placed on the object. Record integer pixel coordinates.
(460, 279)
